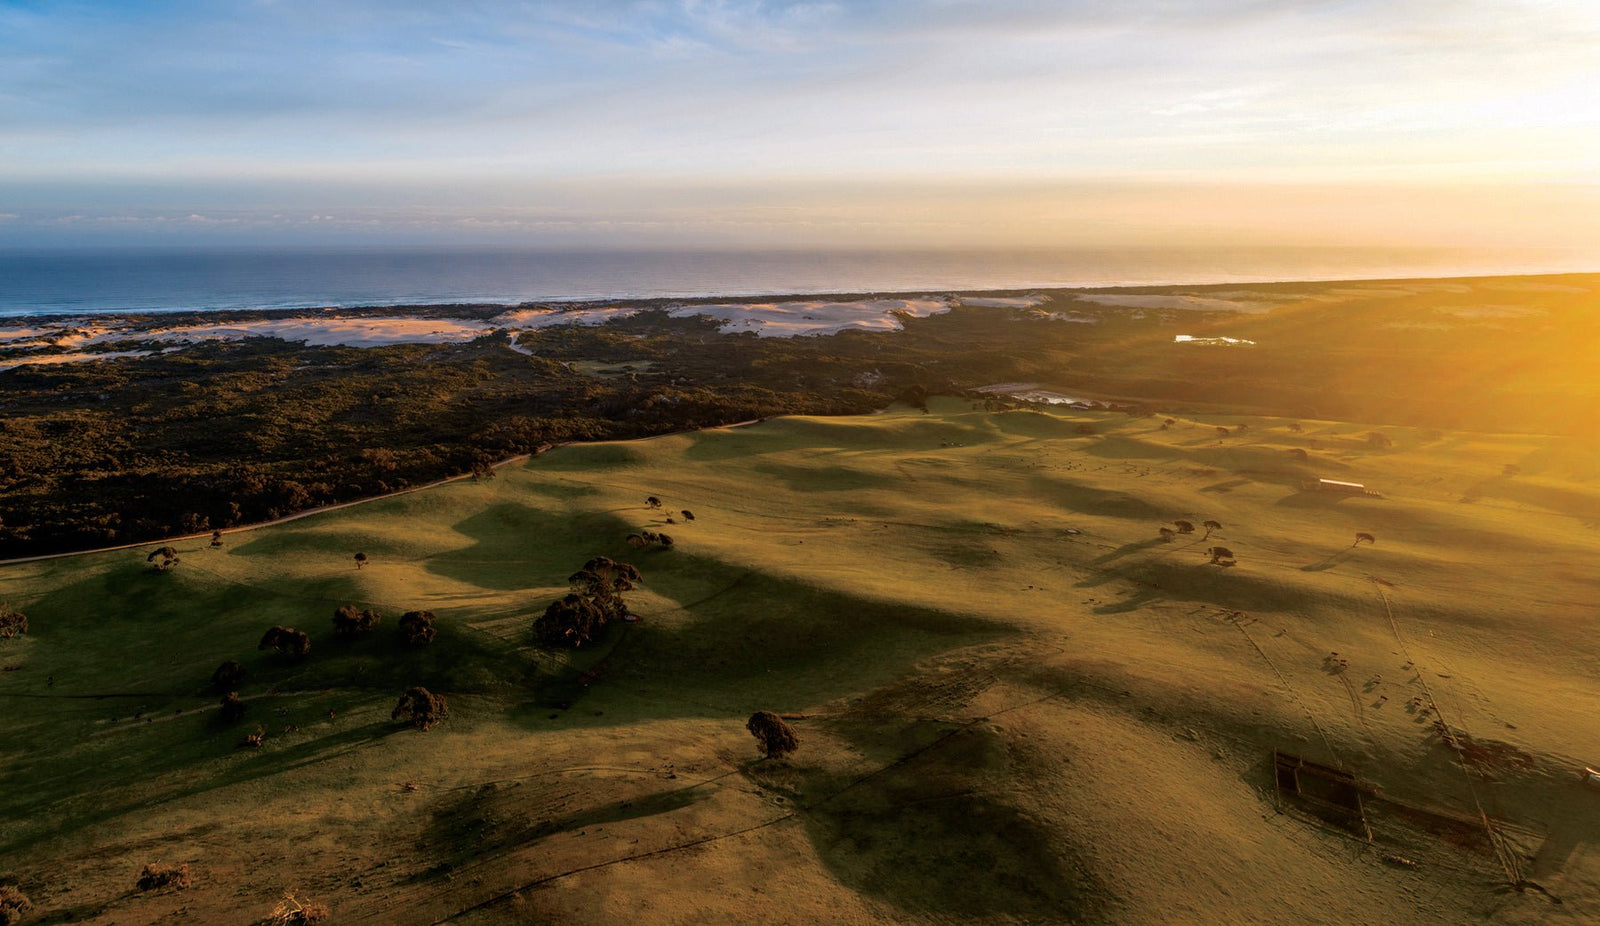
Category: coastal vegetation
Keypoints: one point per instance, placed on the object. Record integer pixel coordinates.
(228, 433)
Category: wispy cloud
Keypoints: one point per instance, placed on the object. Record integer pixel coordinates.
(206, 102)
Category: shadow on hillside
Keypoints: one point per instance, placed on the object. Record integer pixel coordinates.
(932, 836)
(213, 742)
(518, 547)
(762, 641)
(1107, 503)
(493, 820)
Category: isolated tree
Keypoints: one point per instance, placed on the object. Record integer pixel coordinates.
(12, 623)
(774, 738)
(653, 502)
(637, 540)
(350, 623)
(1364, 536)
(228, 676)
(1299, 454)
(1167, 534)
(232, 708)
(286, 641)
(216, 538)
(420, 708)
(1211, 526)
(1221, 556)
(1184, 527)
(664, 539)
(688, 515)
(361, 560)
(1169, 422)
(417, 626)
(1222, 431)
(168, 558)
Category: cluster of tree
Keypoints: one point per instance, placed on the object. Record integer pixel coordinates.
(649, 538)
(582, 616)
(1181, 526)
(420, 708)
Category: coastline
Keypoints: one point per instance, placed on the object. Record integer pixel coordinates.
(472, 308)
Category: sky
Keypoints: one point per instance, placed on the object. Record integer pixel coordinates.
(742, 123)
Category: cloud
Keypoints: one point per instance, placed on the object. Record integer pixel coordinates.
(185, 107)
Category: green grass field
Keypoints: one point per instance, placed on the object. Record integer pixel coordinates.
(1016, 703)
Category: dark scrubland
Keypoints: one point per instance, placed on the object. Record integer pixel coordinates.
(223, 434)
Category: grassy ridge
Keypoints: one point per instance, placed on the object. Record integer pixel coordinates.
(1017, 702)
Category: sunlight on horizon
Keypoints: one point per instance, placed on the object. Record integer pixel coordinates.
(626, 124)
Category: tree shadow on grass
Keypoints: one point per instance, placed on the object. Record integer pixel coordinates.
(1311, 498)
(1329, 561)
(1126, 550)
(211, 744)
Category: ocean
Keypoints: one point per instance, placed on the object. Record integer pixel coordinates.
(105, 281)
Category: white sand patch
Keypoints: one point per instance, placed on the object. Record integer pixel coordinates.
(1006, 302)
(1077, 319)
(7, 363)
(1031, 392)
(545, 318)
(791, 319)
(1530, 286)
(24, 334)
(1179, 301)
(328, 332)
(1493, 311)
(1225, 342)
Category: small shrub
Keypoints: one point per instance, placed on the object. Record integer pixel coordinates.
(155, 877)
(297, 911)
(361, 560)
(421, 708)
(13, 904)
(774, 738)
(12, 623)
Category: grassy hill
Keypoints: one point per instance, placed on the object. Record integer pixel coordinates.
(1016, 703)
